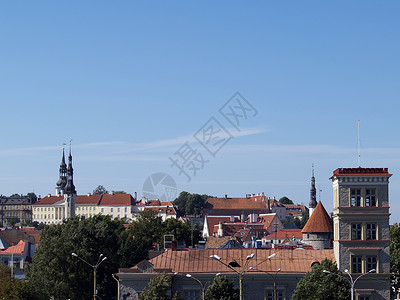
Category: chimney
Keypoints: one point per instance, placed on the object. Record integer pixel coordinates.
(135, 196)
(220, 232)
(226, 196)
(269, 206)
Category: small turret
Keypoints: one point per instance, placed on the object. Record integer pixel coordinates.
(62, 181)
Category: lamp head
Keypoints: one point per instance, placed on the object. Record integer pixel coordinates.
(346, 271)
(188, 275)
(372, 271)
(326, 272)
(272, 255)
(250, 256)
(215, 256)
(74, 254)
(278, 270)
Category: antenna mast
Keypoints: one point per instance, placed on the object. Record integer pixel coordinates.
(359, 146)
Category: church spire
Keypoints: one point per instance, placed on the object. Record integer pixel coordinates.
(313, 194)
(62, 181)
(69, 187)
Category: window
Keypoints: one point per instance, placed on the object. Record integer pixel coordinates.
(356, 231)
(364, 298)
(102, 210)
(371, 263)
(370, 199)
(356, 264)
(118, 209)
(355, 197)
(192, 294)
(126, 209)
(279, 295)
(111, 209)
(371, 231)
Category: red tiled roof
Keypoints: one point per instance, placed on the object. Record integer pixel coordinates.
(153, 203)
(230, 229)
(214, 220)
(285, 233)
(17, 249)
(361, 171)
(199, 261)
(319, 221)
(48, 200)
(235, 203)
(116, 200)
(88, 199)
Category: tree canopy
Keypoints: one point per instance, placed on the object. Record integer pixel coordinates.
(157, 288)
(190, 204)
(11, 288)
(100, 190)
(296, 221)
(222, 289)
(285, 200)
(54, 272)
(395, 257)
(317, 285)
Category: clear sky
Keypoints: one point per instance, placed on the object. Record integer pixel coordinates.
(131, 82)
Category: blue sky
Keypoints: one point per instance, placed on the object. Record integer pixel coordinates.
(131, 82)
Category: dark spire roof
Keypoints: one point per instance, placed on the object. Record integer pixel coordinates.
(313, 192)
(69, 187)
(62, 181)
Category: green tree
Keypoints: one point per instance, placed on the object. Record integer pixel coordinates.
(316, 285)
(222, 289)
(285, 200)
(55, 273)
(12, 221)
(118, 192)
(190, 204)
(181, 231)
(157, 288)
(100, 190)
(146, 231)
(395, 257)
(12, 288)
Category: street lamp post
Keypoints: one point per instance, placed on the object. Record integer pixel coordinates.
(118, 282)
(273, 277)
(350, 281)
(231, 266)
(99, 261)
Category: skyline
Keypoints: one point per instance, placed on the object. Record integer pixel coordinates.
(131, 83)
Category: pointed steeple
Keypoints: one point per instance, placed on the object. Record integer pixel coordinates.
(69, 187)
(313, 194)
(62, 181)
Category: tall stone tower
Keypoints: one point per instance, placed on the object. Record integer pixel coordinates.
(361, 227)
(62, 181)
(313, 195)
(69, 190)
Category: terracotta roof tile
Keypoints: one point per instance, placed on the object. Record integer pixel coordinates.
(319, 221)
(235, 203)
(17, 249)
(87, 199)
(285, 233)
(361, 171)
(199, 261)
(48, 200)
(116, 200)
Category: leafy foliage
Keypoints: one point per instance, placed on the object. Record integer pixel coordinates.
(316, 285)
(190, 204)
(181, 231)
(395, 257)
(54, 272)
(157, 288)
(222, 289)
(100, 190)
(12, 221)
(12, 288)
(285, 200)
(296, 221)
